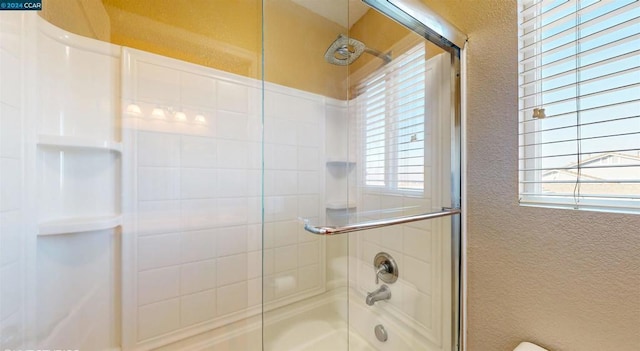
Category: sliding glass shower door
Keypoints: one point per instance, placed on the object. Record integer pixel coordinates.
(361, 182)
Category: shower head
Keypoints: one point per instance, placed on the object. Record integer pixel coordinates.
(343, 51)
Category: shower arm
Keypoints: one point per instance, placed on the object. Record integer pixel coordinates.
(380, 223)
(385, 57)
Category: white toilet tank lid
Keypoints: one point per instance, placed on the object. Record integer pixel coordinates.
(527, 346)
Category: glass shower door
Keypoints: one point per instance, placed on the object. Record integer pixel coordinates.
(366, 144)
(304, 276)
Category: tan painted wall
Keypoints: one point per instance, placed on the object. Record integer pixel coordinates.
(223, 34)
(568, 280)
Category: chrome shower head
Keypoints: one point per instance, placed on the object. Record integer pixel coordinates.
(343, 51)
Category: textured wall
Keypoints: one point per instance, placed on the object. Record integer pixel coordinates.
(568, 280)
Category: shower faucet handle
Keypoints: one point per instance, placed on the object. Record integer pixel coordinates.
(382, 268)
(386, 268)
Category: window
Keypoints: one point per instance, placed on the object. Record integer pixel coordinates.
(391, 109)
(579, 104)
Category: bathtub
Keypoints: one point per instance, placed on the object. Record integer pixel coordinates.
(315, 324)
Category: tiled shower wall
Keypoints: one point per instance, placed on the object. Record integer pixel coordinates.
(195, 196)
(12, 238)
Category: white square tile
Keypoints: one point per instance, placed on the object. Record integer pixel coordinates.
(232, 154)
(418, 306)
(268, 260)
(308, 135)
(156, 251)
(391, 238)
(286, 258)
(11, 295)
(232, 183)
(11, 234)
(232, 298)
(198, 307)
(254, 237)
(232, 240)
(269, 234)
(268, 288)
(280, 157)
(10, 89)
(280, 182)
(158, 149)
(279, 131)
(254, 291)
(254, 128)
(196, 152)
(308, 253)
(198, 245)
(280, 208)
(254, 210)
(309, 277)
(158, 318)
(308, 182)
(285, 283)
(10, 184)
(231, 125)
(285, 233)
(232, 269)
(199, 214)
(309, 158)
(158, 284)
(197, 90)
(309, 206)
(254, 264)
(233, 97)
(418, 274)
(253, 183)
(10, 131)
(232, 211)
(155, 183)
(11, 32)
(417, 243)
(155, 217)
(197, 276)
(198, 183)
(158, 84)
(254, 161)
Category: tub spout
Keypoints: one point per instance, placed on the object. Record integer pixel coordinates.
(382, 293)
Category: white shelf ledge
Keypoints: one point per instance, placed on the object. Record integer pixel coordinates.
(78, 142)
(340, 205)
(340, 160)
(78, 225)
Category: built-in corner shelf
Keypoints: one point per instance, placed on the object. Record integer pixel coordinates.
(78, 225)
(79, 142)
(340, 205)
(340, 162)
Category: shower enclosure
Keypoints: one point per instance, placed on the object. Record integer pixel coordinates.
(229, 175)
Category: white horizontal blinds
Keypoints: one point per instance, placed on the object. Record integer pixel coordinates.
(392, 110)
(372, 103)
(579, 61)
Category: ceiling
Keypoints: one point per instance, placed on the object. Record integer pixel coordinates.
(336, 10)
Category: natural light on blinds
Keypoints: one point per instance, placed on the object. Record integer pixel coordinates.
(579, 111)
(391, 108)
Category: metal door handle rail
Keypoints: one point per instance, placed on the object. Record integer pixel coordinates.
(379, 223)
